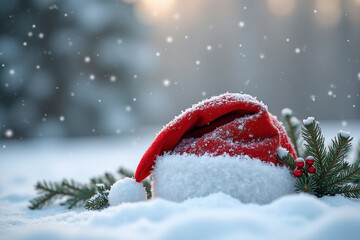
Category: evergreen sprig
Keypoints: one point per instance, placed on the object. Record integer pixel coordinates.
(99, 200)
(333, 174)
(70, 192)
(93, 195)
(293, 130)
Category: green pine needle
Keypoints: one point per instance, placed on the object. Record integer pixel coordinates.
(315, 145)
(305, 184)
(99, 200)
(293, 130)
(288, 161)
(335, 159)
(72, 194)
(333, 174)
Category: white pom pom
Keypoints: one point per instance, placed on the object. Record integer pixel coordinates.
(126, 190)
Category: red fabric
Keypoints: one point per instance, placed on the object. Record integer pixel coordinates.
(235, 124)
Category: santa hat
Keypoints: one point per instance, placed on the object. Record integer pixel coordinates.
(212, 145)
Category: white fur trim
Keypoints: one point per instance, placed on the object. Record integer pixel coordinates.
(126, 190)
(179, 177)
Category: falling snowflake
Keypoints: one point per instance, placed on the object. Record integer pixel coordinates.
(169, 39)
(208, 47)
(241, 24)
(166, 82)
(112, 78)
(9, 133)
(297, 50)
(62, 118)
(87, 59)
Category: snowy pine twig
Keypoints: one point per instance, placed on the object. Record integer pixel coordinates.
(99, 200)
(93, 196)
(333, 174)
(70, 192)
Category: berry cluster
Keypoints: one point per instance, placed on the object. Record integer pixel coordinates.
(301, 168)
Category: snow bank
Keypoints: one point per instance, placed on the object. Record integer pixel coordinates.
(217, 216)
(181, 176)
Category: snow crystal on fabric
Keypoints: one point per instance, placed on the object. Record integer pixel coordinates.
(217, 101)
(178, 177)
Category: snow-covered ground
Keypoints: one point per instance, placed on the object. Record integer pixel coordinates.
(217, 216)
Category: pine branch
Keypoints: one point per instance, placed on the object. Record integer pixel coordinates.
(71, 185)
(49, 192)
(99, 200)
(330, 174)
(94, 194)
(350, 191)
(314, 143)
(350, 174)
(337, 153)
(357, 161)
(96, 202)
(294, 136)
(287, 160)
(292, 127)
(126, 173)
(147, 186)
(305, 184)
(110, 178)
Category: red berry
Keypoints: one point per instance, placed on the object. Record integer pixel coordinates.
(309, 160)
(311, 169)
(297, 172)
(299, 162)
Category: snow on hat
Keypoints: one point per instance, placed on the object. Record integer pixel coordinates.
(233, 125)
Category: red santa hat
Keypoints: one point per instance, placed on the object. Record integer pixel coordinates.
(230, 124)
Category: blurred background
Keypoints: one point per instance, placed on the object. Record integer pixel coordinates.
(108, 67)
